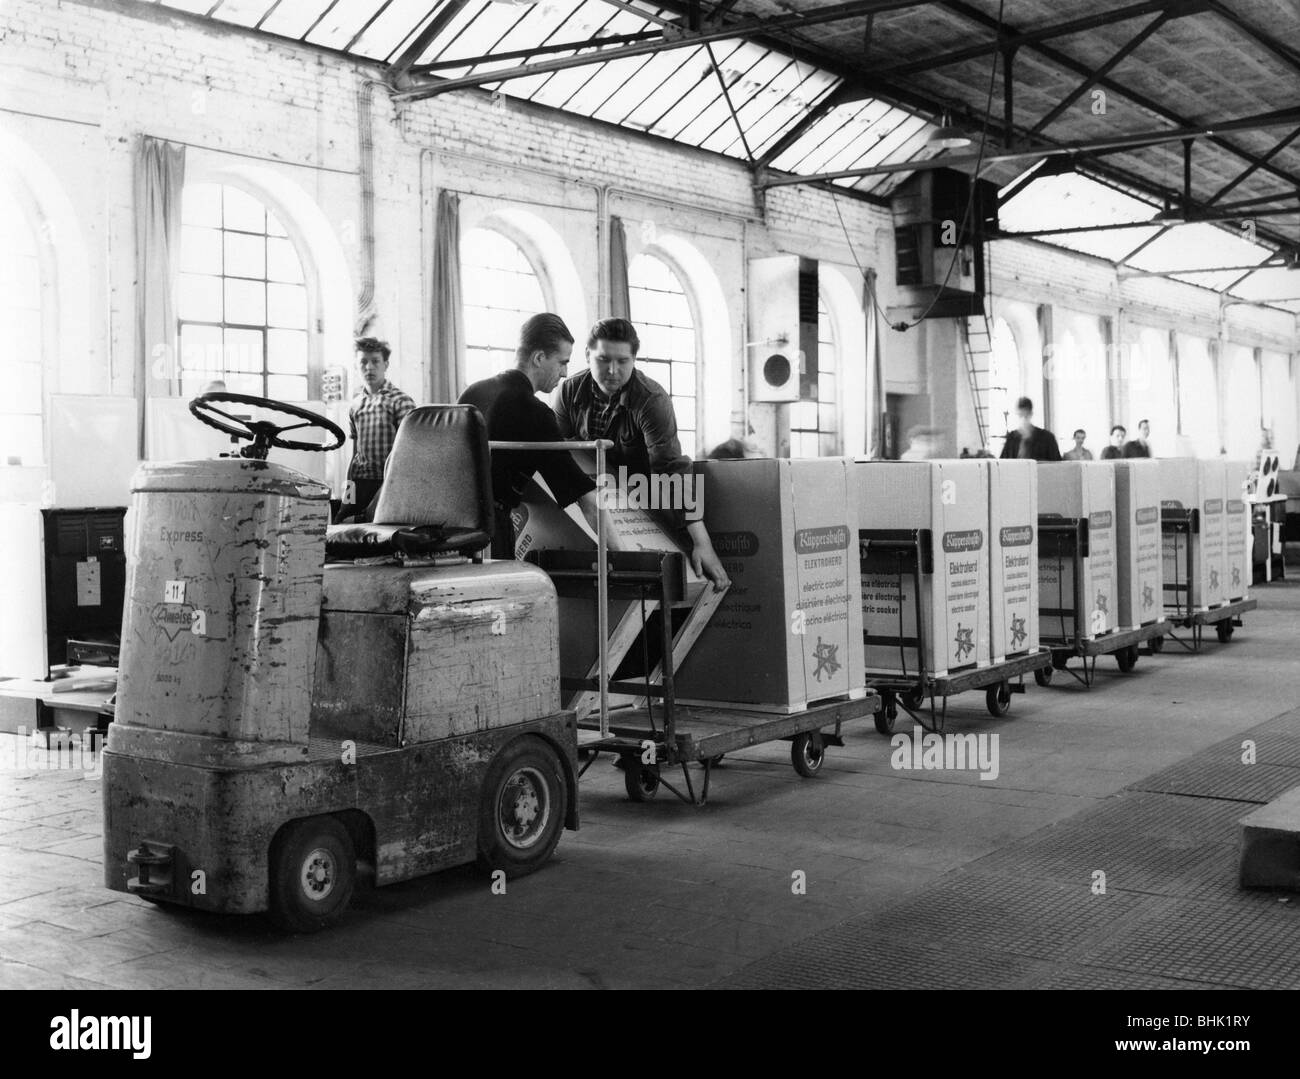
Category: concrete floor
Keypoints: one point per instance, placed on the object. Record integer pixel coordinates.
(662, 894)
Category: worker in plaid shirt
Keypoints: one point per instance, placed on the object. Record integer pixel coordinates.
(376, 413)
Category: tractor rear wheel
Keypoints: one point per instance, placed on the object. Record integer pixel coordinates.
(524, 803)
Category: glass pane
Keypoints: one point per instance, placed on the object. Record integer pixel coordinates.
(282, 262)
(201, 205)
(803, 415)
(273, 226)
(684, 345)
(690, 445)
(243, 351)
(826, 417)
(250, 384)
(246, 302)
(200, 250)
(199, 298)
(291, 388)
(684, 407)
(245, 255)
(241, 211)
(286, 306)
(201, 350)
(656, 341)
(656, 372)
(683, 379)
(286, 352)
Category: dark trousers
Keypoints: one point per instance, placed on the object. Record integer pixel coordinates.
(503, 533)
(364, 494)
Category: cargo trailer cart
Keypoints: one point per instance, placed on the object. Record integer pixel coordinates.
(1063, 628)
(1178, 526)
(653, 731)
(907, 555)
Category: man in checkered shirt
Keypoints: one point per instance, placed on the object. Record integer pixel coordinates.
(376, 413)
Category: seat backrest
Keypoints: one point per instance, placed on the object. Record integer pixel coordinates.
(439, 472)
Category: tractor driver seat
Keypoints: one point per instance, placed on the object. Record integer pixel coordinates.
(436, 497)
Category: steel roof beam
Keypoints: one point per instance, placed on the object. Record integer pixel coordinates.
(424, 39)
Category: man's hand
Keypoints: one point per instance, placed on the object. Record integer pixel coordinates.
(704, 559)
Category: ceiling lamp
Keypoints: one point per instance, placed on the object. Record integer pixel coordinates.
(948, 136)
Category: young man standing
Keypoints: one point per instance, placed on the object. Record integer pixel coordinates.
(613, 400)
(1116, 448)
(1027, 441)
(1139, 447)
(376, 413)
(1079, 452)
(514, 414)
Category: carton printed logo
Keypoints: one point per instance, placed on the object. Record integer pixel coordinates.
(1235, 505)
(1171, 504)
(1148, 597)
(1236, 576)
(827, 659)
(1214, 580)
(964, 641)
(735, 544)
(1101, 519)
(1213, 506)
(816, 540)
(1017, 536)
(1146, 515)
(971, 540)
(1018, 632)
(173, 619)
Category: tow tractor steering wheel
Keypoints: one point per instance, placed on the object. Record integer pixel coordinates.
(263, 433)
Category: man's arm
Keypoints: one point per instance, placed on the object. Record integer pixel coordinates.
(1009, 446)
(403, 406)
(566, 480)
(659, 429)
(1051, 451)
(562, 410)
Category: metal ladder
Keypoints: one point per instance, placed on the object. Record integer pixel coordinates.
(977, 344)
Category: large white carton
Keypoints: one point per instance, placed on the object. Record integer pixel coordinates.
(1013, 547)
(949, 499)
(1138, 542)
(1188, 484)
(1078, 490)
(789, 631)
(1236, 531)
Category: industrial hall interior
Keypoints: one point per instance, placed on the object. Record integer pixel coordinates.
(649, 494)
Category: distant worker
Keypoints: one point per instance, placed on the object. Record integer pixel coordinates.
(734, 449)
(376, 413)
(1079, 452)
(513, 413)
(613, 400)
(922, 444)
(1138, 447)
(1028, 442)
(1116, 448)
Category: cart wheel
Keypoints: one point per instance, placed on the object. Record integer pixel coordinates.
(1059, 660)
(1224, 630)
(522, 808)
(1156, 644)
(713, 762)
(313, 871)
(808, 753)
(888, 714)
(1043, 676)
(998, 699)
(913, 698)
(641, 780)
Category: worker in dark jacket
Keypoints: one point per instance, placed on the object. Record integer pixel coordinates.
(513, 413)
(1028, 442)
(1139, 447)
(613, 400)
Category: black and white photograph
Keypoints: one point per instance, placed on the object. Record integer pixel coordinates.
(651, 495)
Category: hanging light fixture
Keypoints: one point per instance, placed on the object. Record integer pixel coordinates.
(948, 136)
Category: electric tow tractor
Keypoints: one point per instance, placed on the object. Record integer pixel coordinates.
(302, 703)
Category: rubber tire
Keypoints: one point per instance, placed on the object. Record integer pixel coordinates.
(1127, 658)
(1059, 660)
(640, 780)
(1043, 676)
(495, 851)
(1224, 630)
(887, 716)
(291, 909)
(807, 753)
(913, 698)
(997, 698)
(1156, 644)
(714, 762)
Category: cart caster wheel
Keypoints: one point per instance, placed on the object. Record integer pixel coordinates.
(998, 699)
(313, 871)
(808, 753)
(1059, 660)
(523, 808)
(1127, 658)
(887, 716)
(1043, 676)
(714, 762)
(1224, 631)
(641, 780)
(1156, 644)
(913, 698)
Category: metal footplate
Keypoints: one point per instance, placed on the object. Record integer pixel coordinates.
(154, 863)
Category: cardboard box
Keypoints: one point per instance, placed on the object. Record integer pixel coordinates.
(1237, 568)
(1013, 556)
(951, 500)
(1138, 542)
(789, 631)
(1078, 490)
(1189, 484)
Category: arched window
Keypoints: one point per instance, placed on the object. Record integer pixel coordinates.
(242, 300)
(1198, 398)
(21, 440)
(1241, 406)
(814, 425)
(500, 291)
(1005, 380)
(665, 323)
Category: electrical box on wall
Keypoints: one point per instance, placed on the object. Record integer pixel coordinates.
(942, 219)
(781, 355)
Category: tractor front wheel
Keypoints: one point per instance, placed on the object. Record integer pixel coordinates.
(313, 872)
